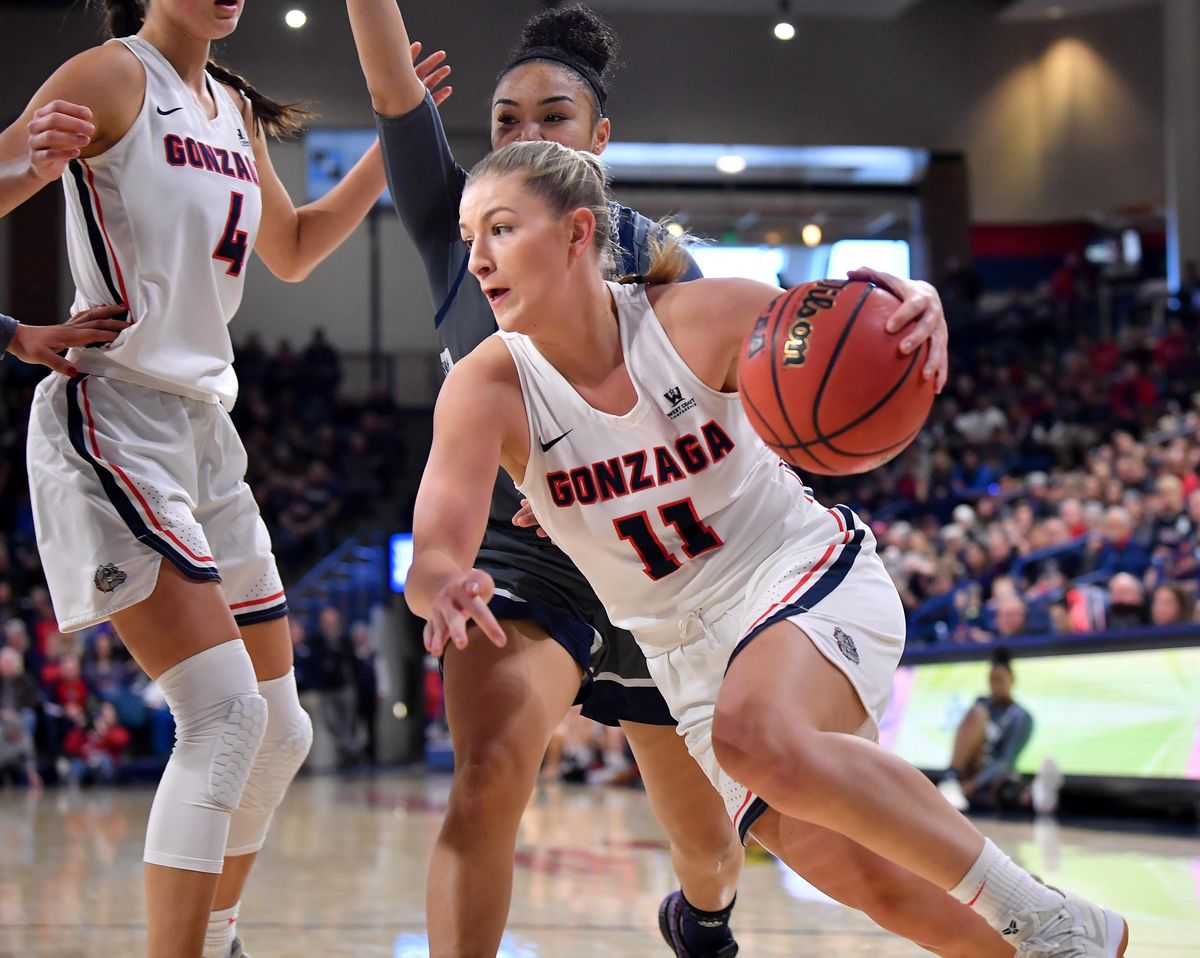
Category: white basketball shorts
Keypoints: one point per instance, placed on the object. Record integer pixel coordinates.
(123, 476)
(835, 589)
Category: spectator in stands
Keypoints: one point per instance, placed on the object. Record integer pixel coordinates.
(961, 286)
(1070, 510)
(106, 675)
(69, 688)
(1172, 604)
(42, 621)
(320, 366)
(250, 361)
(981, 421)
(1011, 616)
(339, 702)
(19, 704)
(304, 657)
(1126, 602)
(93, 747)
(1116, 550)
(370, 681)
(987, 744)
(16, 637)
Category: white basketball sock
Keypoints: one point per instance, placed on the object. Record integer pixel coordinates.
(996, 887)
(222, 927)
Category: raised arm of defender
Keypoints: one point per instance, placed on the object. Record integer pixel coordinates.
(379, 32)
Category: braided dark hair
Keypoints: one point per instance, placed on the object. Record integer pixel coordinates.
(575, 38)
(123, 18)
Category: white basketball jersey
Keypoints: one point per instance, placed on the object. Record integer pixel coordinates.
(668, 508)
(164, 222)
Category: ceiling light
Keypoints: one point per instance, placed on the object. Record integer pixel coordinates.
(811, 235)
(295, 19)
(731, 163)
(784, 30)
(675, 229)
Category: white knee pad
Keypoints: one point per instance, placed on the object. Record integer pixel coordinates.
(219, 724)
(287, 740)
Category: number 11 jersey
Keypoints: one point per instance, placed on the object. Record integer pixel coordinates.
(164, 222)
(669, 508)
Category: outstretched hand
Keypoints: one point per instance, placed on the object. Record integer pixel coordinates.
(41, 344)
(432, 71)
(462, 598)
(920, 314)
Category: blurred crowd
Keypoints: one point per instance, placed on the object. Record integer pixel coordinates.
(1056, 489)
(76, 707)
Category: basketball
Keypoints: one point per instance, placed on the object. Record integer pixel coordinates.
(826, 386)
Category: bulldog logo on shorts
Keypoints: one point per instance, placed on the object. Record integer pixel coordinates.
(108, 577)
(846, 644)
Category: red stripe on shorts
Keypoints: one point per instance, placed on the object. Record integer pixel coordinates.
(87, 407)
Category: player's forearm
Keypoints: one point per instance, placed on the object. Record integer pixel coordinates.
(322, 226)
(383, 51)
(432, 568)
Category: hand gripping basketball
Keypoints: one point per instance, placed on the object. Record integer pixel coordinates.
(827, 385)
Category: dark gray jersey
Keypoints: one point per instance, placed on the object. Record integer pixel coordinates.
(426, 185)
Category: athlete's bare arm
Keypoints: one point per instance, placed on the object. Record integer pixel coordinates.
(479, 426)
(380, 35)
(86, 107)
(293, 240)
(708, 319)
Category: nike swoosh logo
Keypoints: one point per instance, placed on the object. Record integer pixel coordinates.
(162, 112)
(547, 446)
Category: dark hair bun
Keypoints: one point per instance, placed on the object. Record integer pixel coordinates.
(575, 29)
(1002, 657)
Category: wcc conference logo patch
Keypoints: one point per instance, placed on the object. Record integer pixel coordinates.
(108, 577)
(846, 644)
(679, 405)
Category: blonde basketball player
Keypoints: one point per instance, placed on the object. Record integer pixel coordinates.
(768, 620)
(136, 471)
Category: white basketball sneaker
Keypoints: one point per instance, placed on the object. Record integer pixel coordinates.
(1075, 929)
(951, 789)
(1047, 785)
(236, 950)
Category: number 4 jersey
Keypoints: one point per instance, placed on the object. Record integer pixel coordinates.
(669, 508)
(163, 222)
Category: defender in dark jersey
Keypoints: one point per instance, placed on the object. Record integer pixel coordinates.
(552, 89)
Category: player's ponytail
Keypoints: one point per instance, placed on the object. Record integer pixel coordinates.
(565, 179)
(123, 18)
(669, 260)
(273, 117)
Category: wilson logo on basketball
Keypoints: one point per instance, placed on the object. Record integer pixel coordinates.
(821, 296)
(795, 350)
